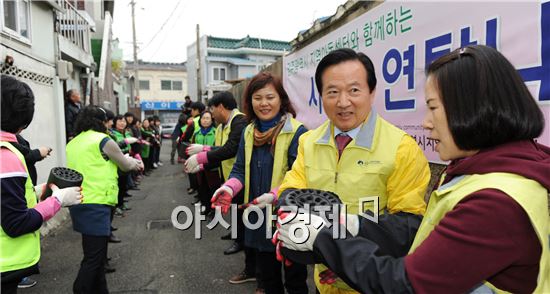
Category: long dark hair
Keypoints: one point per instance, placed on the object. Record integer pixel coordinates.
(91, 118)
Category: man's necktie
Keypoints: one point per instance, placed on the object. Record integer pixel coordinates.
(342, 140)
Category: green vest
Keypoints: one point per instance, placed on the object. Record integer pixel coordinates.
(145, 148)
(222, 134)
(209, 139)
(529, 194)
(23, 251)
(118, 136)
(280, 157)
(100, 184)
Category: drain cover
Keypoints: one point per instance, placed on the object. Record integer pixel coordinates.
(160, 224)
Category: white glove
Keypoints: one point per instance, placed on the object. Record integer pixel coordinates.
(191, 163)
(194, 149)
(263, 200)
(131, 140)
(351, 222)
(67, 196)
(195, 170)
(139, 164)
(305, 226)
(39, 190)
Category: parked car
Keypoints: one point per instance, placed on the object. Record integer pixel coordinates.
(167, 129)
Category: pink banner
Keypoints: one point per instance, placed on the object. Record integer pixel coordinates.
(401, 38)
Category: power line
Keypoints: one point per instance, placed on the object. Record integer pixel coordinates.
(164, 39)
(161, 27)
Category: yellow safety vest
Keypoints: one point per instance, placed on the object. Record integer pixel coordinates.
(100, 185)
(23, 251)
(280, 158)
(529, 194)
(196, 123)
(222, 134)
(362, 170)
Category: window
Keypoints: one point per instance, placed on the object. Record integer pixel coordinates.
(16, 18)
(168, 85)
(219, 74)
(177, 85)
(143, 85)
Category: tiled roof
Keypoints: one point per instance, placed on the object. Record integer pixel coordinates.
(158, 65)
(248, 42)
(232, 60)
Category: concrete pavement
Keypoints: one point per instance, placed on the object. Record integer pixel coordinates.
(153, 257)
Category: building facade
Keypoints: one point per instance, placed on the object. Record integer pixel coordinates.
(48, 45)
(162, 89)
(224, 61)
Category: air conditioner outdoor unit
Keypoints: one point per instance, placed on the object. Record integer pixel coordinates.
(63, 69)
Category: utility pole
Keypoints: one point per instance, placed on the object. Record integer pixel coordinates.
(136, 64)
(199, 92)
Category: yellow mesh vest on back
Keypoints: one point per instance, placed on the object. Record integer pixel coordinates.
(100, 185)
(23, 251)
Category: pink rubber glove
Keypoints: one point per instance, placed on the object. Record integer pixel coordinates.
(327, 277)
(48, 208)
(222, 197)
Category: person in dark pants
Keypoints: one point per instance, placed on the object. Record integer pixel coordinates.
(176, 134)
(158, 133)
(231, 123)
(123, 139)
(21, 215)
(208, 179)
(72, 108)
(187, 106)
(97, 157)
(147, 135)
(32, 156)
(267, 149)
(187, 133)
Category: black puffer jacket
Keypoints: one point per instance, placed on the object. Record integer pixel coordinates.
(71, 111)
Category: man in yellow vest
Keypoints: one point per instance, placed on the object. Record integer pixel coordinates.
(231, 123)
(358, 154)
(487, 225)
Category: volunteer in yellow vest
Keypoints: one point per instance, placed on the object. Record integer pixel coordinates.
(22, 216)
(267, 150)
(377, 158)
(486, 227)
(96, 156)
(231, 123)
(187, 133)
